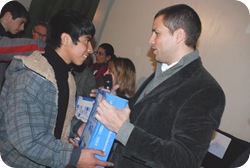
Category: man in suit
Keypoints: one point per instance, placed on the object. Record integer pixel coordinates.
(173, 114)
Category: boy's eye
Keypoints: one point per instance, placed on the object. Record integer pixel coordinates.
(21, 23)
(87, 40)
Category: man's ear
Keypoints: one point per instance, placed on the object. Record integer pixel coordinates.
(180, 35)
(7, 16)
(65, 39)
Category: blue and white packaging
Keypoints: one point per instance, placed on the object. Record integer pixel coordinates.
(83, 107)
(95, 135)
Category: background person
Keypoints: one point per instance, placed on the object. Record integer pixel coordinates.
(40, 30)
(123, 74)
(13, 18)
(84, 78)
(175, 111)
(104, 53)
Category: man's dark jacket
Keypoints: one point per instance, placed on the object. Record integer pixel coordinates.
(174, 122)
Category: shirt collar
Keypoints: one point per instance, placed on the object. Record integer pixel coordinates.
(165, 66)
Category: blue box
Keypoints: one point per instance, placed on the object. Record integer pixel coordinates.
(95, 135)
(83, 107)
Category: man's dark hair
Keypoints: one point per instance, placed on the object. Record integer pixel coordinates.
(182, 16)
(42, 23)
(70, 22)
(16, 9)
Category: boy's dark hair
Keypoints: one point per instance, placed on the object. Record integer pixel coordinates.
(70, 22)
(182, 16)
(16, 9)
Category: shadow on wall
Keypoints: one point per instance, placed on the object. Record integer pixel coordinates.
(153, 63)
(152, 58)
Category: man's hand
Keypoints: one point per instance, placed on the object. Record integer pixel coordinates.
(110, 116)
(88, 160)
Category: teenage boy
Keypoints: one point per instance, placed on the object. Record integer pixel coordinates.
(37, 101)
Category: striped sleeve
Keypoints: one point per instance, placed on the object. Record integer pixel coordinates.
(18, 46)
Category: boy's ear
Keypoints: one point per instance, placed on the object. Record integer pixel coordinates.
(65, 39)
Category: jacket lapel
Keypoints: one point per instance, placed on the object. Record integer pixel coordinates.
(168, 84)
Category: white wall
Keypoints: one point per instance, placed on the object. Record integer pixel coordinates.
(2, 3)
(224, 48)
(26, 3)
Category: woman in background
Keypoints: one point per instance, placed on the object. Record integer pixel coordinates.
(104, 53)
(123, 74)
